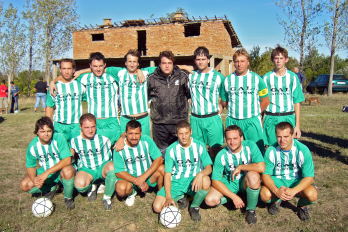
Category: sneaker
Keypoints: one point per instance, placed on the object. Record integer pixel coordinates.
(251, 217)
(92, 195)
(101, 188)
(51, 194)
(274, 208)
(183, 203)
(107, 204)
(69, 203)
(194, 213)
(303, 213)
(130, 199)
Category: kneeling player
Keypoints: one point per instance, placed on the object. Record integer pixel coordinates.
(184, 173)
(52, 152)
(139, 165)
(237, 168)
(289, 171)
(94, 162)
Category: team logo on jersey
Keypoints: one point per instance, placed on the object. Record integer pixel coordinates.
(130, 83)
(136, 159)
(129, 160)
(201, 84)
(143, 157)
(241, 90)
(286, 167)
(279, 91)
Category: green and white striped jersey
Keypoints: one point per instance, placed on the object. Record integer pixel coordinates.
(243, 94)
(205, 89)
(186, 162)
(133, 96)
(284, 92)
(47, 155)
(101, 94)
(136, 160)
(67, 102)
(93, 152)
(294, 164)
(226, 161)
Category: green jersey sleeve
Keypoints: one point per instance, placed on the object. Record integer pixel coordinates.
(119, 164)
(49, 100)
(223, 93)
(169, 162)
(298, 93)
(64, 151)
(153, 149)
(222, 81)
(150, 70)
(268, 163)
(113, 71)
(307, 167)
(256, 156)
(31, 158)
(218, 168)
(263, 92)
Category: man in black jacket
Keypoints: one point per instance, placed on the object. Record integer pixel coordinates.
(168, 88)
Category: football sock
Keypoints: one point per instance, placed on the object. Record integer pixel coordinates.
(223, 200)
(45, 188)
(84, 189)
(34, 190)
(275, 199)
(304, 202)
(110, 181)
(252, 198)
(68, 187)
(178, 198)
(52, 188)
(199, 198)
(134, 191)
(106, 197)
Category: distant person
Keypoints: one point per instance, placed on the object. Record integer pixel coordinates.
(41, 93)
(3, 96)
(14, 92)
(301, 76)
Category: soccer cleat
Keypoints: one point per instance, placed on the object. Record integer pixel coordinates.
(194, 213)
(69, 203)
(251, 217)
(274, 208)
(183, 203)
(303, 213)
(50, 195)
(107, 204)
(92, 195)
(101, 188)
(130, 199)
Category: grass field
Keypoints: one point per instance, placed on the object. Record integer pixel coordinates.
(324, 131)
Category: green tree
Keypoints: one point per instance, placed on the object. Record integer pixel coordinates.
(255, 58)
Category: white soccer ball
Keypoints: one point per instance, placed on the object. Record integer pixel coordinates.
(170, 217)
(42, 207)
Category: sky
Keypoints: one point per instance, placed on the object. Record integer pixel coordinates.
(255, 21)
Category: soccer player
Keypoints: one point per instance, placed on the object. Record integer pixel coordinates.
(187, 170)
(286, 96)
(94, 159)
(205, 85)
(139, 165)
(237, 168)
(289, 172)
(52, 152)
(67, 102)
(246, 96)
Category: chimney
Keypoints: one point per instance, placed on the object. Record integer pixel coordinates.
(178, 15)
(107, 22)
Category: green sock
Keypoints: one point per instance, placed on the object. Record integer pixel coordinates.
(34, 190)
(68, 187)
(84, 189)
(199, 198)
(224, 200)
(45, 188)
(252, 198)
(110, 181)
(177, 198)
(275, 199)
(304, 201)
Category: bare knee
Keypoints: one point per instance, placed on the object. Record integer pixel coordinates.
(121, 189)
(80, 182)
(253, 180)
(67, 172)
(265, 194)
(157, 205)
(26, 184)
(212, 200)
(310, 193)
(161, 169)
(206, 183)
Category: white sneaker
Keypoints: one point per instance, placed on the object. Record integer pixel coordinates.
(101, 188)
(130, 199)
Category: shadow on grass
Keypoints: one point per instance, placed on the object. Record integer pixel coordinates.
(2, 119)
(24, 109)
(327, 139)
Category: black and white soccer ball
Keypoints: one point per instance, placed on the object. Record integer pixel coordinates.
(170, 217)
(42, 207)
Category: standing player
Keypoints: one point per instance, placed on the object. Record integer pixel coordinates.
(52, 152)
(237, 168)
(286, 96)
(246, 95)
(94, 159)
(205, 85)
(67, 102)
(289, 172)
(139, 165)
(187, 170)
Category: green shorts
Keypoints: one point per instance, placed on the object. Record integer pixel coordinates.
(208, 130)
(184, 186)
(145, 125)
(96, 174)
(147, 181)
(251, 127)
(286, 183)
(270, 123)
(236, 186)
(52, 179)
(109, 124)
(66, 129)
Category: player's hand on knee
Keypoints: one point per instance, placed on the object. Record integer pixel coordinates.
(139, 181)
(238, 202)
(197, 182)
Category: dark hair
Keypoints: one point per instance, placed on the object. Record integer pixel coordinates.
(167, 54)
(67, 60)
(12, 83)
(234, 128)
(182, 124)
(87, 117)
(133, 124)
(284, 125)
(96, 56)
(44, 121)
(201, 51)
(279, 50)
(40, 78)
(133, 52)
(3, 81)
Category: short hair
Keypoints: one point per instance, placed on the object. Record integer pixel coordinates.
(69, 61)
(284, 125)
(3, 81)
(87, 117)
(167, 54)
(201, 51)
(12, 83)
(40, 78)
(241, 52)
(133, 52)
(43, 121)
(279, 50)
(182, 124)
(234, 128)
(296, 68)
(96, 56)
(133, 124)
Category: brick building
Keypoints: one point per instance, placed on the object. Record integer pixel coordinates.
(180, 35)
